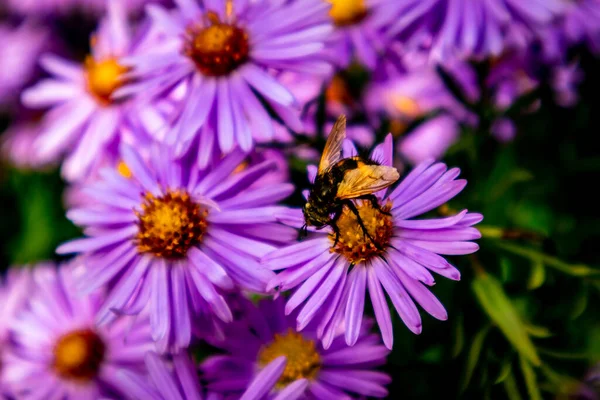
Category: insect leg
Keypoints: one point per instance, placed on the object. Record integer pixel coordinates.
(374, 203)
(354, 210)
(333, 224)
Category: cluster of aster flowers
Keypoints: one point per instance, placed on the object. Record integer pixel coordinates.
(164, 132)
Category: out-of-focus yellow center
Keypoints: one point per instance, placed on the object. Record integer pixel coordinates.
(124, 170)
(407, 106)
(104, 77)
(78, 355)
(217, 49)
(353, 243)
(337, 91)
(170, 225)
(303, 360)
(347, 12)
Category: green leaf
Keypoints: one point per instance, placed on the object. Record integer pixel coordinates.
(512, 393)
(495, 303)
(530, 380)
(459, 334)
(538, 331)
(538, 275)
(505, 370)
(473, 357)
(549, 261)
(581, 303)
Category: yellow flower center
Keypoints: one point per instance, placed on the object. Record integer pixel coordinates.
(303, 360)
(104, 77)
(170, 225)
(347, 12)
(217, 49)
(353, 243)
(407, 106)
(124, 170)
(78, 355)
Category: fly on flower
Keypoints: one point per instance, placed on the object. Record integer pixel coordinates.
(340, 180)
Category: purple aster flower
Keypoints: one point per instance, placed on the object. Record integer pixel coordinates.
(14, 291)
(20, 49)
(331, 278)
(359, 33)
(267, 358)
(418, 94)
(469, 29)
(167, 234)
(580, 23)
(225, 54)
(37, 8)
(174, 379)
(57, 349)
(84, 121)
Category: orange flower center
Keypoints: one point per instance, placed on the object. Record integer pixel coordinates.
(347, 12)
(218, 49)
(303, 360)
(353, 243)
(170, 225)
(104, 77)
(78, 355)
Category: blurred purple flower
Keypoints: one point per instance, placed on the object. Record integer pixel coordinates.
(167, 234)
(59, 352)
(331, 279)
(266, 358)
(84, 122)
(420, 94)
(41, 8)
(580, 23)
(20, 48)
(224, 53)
(504, 130)
(175, 379)
(14, 292)
(469, 29)
(16, 144)
(358, 35)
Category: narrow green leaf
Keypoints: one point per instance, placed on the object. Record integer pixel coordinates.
(473, 357)
(538, 331)
(512, 393)
(530, 380)
(495, 303)
(459, 337)
(580, 303)
(504, 371)
(538, 275)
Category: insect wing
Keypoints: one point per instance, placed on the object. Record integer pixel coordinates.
(332, 153)
(366, 179)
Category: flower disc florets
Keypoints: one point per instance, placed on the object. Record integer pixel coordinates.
(78, 355)
(347, 12)
(104, 78)
(353, 243)
(170, 225)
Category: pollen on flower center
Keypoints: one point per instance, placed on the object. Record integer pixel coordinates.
(78, 355)
(303, 360)
(104, 77)
(170, 225)
(407, 106)
(353, 243)
(347, 12)
(217, 49)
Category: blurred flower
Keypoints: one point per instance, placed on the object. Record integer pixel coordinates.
(224, 52)
(469, 29)
(84, 121)
(358, 34)
(16, 144)
(504, 130)
(20, 48)
(268, 359)
(565, 81)
(167, 234)
(14, 292)
(417, 94)
(174, 379)
(331, 277)
(39, 8)
(59, 352)
(580, 23)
